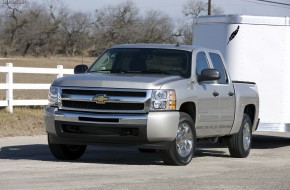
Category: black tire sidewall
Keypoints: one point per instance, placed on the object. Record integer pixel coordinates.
(246, 119)
(73, 153)
(236, 146)
(66, 152)
(173, 152)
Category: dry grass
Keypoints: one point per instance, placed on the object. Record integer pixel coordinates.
(29, 121)
(23, 122)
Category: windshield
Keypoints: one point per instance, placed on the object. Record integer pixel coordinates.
(144, 60)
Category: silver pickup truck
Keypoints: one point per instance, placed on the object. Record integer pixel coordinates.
(155, 97)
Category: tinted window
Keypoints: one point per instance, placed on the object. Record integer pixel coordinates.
(201, 62)
(218, 65)
(144, 60)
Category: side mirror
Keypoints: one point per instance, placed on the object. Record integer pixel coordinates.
(209, 75)
(79, 69)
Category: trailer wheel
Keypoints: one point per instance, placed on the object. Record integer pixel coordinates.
(182, 149)
(66, 152)
(240, 143)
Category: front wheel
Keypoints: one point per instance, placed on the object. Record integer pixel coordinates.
(145, 150)
(182, 149)
(66, 152)
(240, 143)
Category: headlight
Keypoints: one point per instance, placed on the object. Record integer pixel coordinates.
(163, 100)
(53, 96)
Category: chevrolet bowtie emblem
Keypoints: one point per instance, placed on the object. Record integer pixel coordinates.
(100, 99)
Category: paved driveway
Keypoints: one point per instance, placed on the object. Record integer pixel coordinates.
(26, 163)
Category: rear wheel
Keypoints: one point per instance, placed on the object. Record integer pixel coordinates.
(66, 152)
(182, 149)
(240, 143)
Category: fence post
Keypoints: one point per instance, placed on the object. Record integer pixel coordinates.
(60, 71)
(9, 91)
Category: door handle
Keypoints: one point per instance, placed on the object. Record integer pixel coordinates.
(231, 93)
(215, 94)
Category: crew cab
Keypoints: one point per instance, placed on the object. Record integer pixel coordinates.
(155, 97)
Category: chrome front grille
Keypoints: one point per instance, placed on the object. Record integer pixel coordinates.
(107, 92)
(114, 100)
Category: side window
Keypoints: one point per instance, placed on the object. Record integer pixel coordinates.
(218, 65)
(201, 62)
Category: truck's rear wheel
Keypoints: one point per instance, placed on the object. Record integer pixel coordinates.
(182, 149)
(240, 143)
(66, 152)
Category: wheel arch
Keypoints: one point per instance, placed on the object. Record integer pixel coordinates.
(250, 110)
(190, 109)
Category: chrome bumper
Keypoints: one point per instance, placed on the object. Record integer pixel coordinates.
(151, 127)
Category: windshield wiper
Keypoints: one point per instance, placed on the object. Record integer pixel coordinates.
(152, 71)
(106, 71)
(168, 72)
(96, 71)
(124, 71)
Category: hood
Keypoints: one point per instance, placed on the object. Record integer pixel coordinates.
(120, 80)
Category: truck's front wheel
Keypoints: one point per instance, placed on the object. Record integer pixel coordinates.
(182, 149)
(240, 143)
(66, 152)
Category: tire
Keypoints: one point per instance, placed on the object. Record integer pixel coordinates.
(182, 149)
(66, 152)
(240, 143)
(144, 150)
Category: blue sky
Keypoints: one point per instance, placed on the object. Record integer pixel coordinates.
(174, 7)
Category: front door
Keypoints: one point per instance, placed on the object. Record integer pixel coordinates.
(226, 96)
(207, 119)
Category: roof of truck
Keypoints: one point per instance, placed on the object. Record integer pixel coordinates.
(158, 46)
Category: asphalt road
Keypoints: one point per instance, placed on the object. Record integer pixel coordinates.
(26, 163)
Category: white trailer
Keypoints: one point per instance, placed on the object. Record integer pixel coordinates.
(256, 49)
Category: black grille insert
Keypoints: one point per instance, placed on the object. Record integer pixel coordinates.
(101, 131)
(107, 92)
(106, 106)
(99, 119)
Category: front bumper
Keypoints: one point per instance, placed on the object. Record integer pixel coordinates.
(68, 127)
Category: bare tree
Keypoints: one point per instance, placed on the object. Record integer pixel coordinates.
(114, 24)
(37, 34)
(12, 23)
(3, 48)
(185, 32)
(55, 41)
(155, 27)
(195, 8)
(45, 29)
(199, 7)
(28, 29)
(75, 27)
(122, 23)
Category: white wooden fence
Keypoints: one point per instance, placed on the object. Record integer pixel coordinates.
(9, 86)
